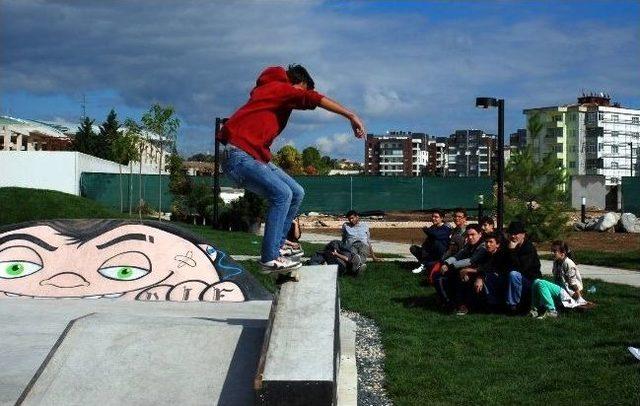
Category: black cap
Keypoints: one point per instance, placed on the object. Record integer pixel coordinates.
(516, 227)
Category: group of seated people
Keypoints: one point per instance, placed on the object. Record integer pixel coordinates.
(472, 266)
(475, 267)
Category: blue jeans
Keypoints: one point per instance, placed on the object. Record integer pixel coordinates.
(494, 285)
(518, 289)
(267, 180)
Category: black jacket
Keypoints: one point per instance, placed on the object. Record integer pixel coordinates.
(525, 260)
(498, 262)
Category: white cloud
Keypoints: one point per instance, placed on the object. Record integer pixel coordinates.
(334, 143)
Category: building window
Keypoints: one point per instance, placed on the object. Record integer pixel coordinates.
(614, 133)
(614, 149)
(572, 164)
(591, 117)
(600, 116)
(635, 120)
(600, 148)
(614, 118)
(614, 165)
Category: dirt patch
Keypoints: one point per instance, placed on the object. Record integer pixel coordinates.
(607, 242)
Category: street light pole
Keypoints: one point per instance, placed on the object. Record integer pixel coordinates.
(500, 214)
(485, 103)
(216, 171)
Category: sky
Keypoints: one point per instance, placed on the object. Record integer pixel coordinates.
(407, 66)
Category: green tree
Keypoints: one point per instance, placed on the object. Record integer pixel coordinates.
(179, 182)
(289, 159)
(202, 158)
(161, 121)
(109, 132)
(535, 193)
(125, 150)
(85, 139)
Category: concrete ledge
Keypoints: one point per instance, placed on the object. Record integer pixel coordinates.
(300, 354)
(348, 370)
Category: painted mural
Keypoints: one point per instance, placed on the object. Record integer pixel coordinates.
(109, 259)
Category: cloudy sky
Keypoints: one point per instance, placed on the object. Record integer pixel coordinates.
(413, 66)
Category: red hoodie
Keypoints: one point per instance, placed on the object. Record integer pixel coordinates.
(254, 126)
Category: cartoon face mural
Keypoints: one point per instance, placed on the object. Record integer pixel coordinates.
(149, 261)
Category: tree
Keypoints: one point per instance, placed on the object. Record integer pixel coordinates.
(311, 156)
(289, 159)
(109, 132)
(310, 170)
(125, 150)
(179, 183)
(85, 140)
(535, 193)
(160, 120)
(201, 158)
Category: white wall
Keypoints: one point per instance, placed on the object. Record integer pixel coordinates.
(53, 170)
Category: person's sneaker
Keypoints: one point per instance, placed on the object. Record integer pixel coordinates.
(280, 265)
(419, 269)
(462, 310)
(635, 352)
(549, 314)
(533, 313)
(291, 253)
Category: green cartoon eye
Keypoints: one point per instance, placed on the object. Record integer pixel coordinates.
(17, 269)
(123, 273)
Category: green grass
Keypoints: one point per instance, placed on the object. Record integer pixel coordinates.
(624, 259)
(21, 204)
(436, 358)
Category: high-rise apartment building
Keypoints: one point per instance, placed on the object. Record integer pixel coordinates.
(397, 153)
(518, 140)
(590, 137)
(471, 153)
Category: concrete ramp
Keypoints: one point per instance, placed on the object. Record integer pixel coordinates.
(299, 362)
(121, 359)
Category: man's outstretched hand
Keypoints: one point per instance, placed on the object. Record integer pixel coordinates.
(358, 126)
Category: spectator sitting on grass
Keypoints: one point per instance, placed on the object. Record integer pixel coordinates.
(435, 243)
(350, 253)
(458, 234)
(567, 289)
(457, 270)
(492, 274)
(525, 269)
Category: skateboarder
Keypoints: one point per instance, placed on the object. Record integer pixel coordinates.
(248, 134)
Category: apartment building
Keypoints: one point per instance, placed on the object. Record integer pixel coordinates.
(397, 153)
(471, 153)
(591, 137)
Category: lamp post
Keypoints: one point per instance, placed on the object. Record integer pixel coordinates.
(485, 103)
(216, 170)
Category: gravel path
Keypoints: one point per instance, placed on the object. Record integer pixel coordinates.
(370, 361)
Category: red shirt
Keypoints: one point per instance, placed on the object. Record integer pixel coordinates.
(254, 126)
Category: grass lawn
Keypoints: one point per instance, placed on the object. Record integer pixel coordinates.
(20, 204)
(434, 358)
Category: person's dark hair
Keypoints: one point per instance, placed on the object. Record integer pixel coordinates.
(298, 74)
(486, 220)
(460, 210)
(351, 213)
(563, 247)
(438, 211)
(493, 236)
(474, 227)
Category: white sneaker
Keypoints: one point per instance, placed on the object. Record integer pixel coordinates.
(291, 252)
(635, 352)
(419, 269)
(280, 265)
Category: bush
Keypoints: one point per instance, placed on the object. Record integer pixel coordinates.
(243, 214)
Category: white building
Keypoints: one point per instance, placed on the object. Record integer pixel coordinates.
(18, 134)
(397, 153)
(590, 137)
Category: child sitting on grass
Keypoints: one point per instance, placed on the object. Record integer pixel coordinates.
(567, 289)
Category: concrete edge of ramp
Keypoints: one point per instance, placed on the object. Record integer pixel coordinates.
(348, 371)
(299, 363)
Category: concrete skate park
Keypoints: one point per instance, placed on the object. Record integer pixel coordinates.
(117, 312)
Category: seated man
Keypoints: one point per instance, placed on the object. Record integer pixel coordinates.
(525, 267)
(458, 234)
(435, 243)
(491, 279)
(456, 272)
(350, 253)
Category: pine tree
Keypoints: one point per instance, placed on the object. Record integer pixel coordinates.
(85, 140)
(109, 132)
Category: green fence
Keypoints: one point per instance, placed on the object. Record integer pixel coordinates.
(326, 194)
(631, 194)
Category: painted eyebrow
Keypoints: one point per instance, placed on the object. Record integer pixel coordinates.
(28, 237)
(122, 238)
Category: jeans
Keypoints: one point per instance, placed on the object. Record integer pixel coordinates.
(518, 289)
(283, 194)
(494, 288)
